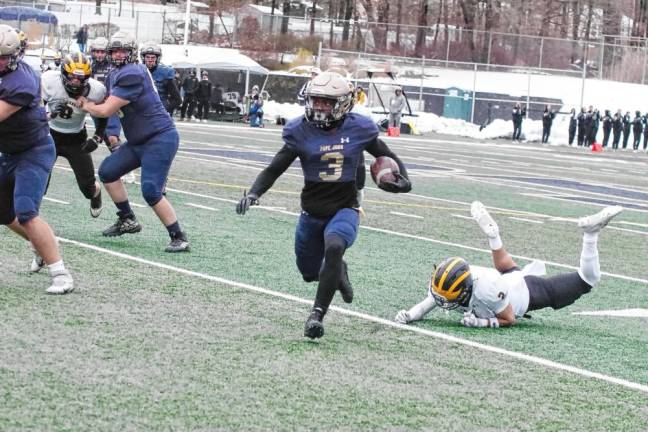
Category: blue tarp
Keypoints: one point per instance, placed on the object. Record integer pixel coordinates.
(21, 13)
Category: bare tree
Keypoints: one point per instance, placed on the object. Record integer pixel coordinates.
(421, 31)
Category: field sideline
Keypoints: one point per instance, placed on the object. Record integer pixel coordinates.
(212, 340)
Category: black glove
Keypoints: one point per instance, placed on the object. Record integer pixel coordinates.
(249, 199)
(401, 185)
(91, 144)
(64, 111)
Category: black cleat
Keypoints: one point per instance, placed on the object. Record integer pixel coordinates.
(179, 243)
(314, 327)
(346, 290)
(124, 225)
(95, 205)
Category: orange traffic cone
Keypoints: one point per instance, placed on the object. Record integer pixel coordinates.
(597, 148)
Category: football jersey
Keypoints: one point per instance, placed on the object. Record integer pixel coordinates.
(145, 116)
(329, 160)
(54, 94)
(27, 127)
(100, 70)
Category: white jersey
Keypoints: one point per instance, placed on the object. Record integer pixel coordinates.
(494, 291)
(55, 94)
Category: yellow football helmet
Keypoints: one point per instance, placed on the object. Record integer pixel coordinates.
(451, 283)
(76, 65)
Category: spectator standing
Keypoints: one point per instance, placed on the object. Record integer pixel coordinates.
(588, 124)
(607, 127)
(596, 120)
(617, 127)
(396, 105)
(627, 122)
(645, 131)
(204, 94)
(572, 125)
(518, 114)
(547, 120)
(190, 87)
(255, 111)
(581, 127)
(361, 96)
(637, 129)
(82, 38)
(217, 100)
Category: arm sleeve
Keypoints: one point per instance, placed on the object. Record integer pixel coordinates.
(101, 124)
(379, 148)
(271, 173)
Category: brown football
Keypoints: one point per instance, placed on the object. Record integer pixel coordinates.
(383, 169)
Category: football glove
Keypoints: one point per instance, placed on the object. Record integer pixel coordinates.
(402, 317)
(91, 144)
(249, 199)
(63, 111)
(470, 320)
(401, 185)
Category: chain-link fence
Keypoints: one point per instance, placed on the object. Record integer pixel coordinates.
(474, 92)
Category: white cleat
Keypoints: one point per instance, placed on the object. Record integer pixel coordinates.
(62, 283)
(37, 263)
(484, 219)
(129, 178)
(598, 221)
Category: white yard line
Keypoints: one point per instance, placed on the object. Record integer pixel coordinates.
(371, 318)
(525, 220)
(406, 215)
(58, 201)
(201, 206)
(134, 204)
(461, 216)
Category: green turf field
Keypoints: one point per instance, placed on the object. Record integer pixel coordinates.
(212, 340)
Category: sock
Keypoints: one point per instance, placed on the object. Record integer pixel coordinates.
(124, 208)
(174, 229)
(329, 277)
(590, 270)
(56, 267)
(495, 243)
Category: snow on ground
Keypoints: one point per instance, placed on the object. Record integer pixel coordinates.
(428, 122)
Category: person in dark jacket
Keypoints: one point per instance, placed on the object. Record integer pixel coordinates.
(617, 127)
(637, 129)
(217, 100)
(588, 124)
(596, 120)
(627, 122)
(547, 120)
(581, 127)
(518, 114)
(204, 94)
(82, 38)
(645, 131)
(572, 125)
(607, 127)
(190, 86)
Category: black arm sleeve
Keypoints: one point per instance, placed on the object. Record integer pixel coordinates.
(271, 173)
(379, 148)
(102, 123)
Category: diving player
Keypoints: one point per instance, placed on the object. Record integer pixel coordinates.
(163, 76)
(27, 158)
(67, 122)
(498, 297)
(329, 141)
(152, 141)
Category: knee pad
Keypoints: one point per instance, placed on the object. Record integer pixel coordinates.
(310, 278)
(25, 209)
(334, 246)
(88, 190)
(106, 175)
(151, 192)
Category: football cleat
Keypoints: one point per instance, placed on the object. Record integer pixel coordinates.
(346, 290)
(484, 219)
(95, 205)
(62, 283)
(314, 327)
(179, 243)
(37, 264)
(124, 225)
(598, 221)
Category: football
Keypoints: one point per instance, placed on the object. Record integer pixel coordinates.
(383, 169)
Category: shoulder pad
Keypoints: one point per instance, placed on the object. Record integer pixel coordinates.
(128, 78)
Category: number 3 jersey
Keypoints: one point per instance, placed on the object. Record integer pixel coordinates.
(329, 161)
(54, 95)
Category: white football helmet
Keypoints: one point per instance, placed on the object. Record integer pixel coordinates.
(328, 99)
(9, 46)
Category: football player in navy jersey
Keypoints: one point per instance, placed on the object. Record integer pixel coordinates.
(27, 158)
(151, 141)
(164, 76)
(329, 141)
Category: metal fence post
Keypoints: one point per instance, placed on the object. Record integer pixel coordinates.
(80, 14)
(421, 103)
(643, 70)
(490, 46)
(137, 25)
(601, 60)
(447, 48)
(108, 25)
(541, 49)
(474, 96)
(583, 84)
(163, 25)
(319, 54)
(528, 98)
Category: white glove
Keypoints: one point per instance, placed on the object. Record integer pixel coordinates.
(402, 317)
(470, 320)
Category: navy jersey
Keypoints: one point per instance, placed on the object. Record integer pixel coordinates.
(145, 116)
(161, 75)
(329, 161)
(100, 70)
(27, 127)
